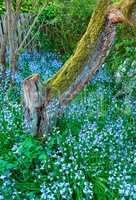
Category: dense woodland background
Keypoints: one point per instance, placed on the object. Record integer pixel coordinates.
(90, 153)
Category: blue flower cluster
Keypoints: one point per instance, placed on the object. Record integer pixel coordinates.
(92, 151)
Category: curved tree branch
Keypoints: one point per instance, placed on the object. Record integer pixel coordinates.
(88, 57)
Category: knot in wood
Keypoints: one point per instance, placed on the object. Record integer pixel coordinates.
(116, 16)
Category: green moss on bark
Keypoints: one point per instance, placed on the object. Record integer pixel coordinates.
(126, 7)
(75, 64)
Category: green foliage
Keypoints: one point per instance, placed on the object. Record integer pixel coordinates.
(1, 6)
(122, 60)
(26, 5)
(65, 22)
(90, 155)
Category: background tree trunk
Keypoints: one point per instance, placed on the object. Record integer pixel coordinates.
(3, 57)
(46, 101)
(11, 38)
(3, 44)
(12, 25)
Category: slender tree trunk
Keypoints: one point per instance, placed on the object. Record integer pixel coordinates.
(11, 38)
(4, 38)
(3, 58)
(46, 101)
(12, 21)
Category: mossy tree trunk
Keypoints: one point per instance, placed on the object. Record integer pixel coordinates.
(45, 101)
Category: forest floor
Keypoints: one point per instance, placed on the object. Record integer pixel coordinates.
(91, 152)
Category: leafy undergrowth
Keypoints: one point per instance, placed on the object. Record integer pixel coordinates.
(91, 152)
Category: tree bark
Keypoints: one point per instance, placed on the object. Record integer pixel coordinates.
(46, 101)
(3, 58)
(11, 38)
(12, 22)
(3, 50)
